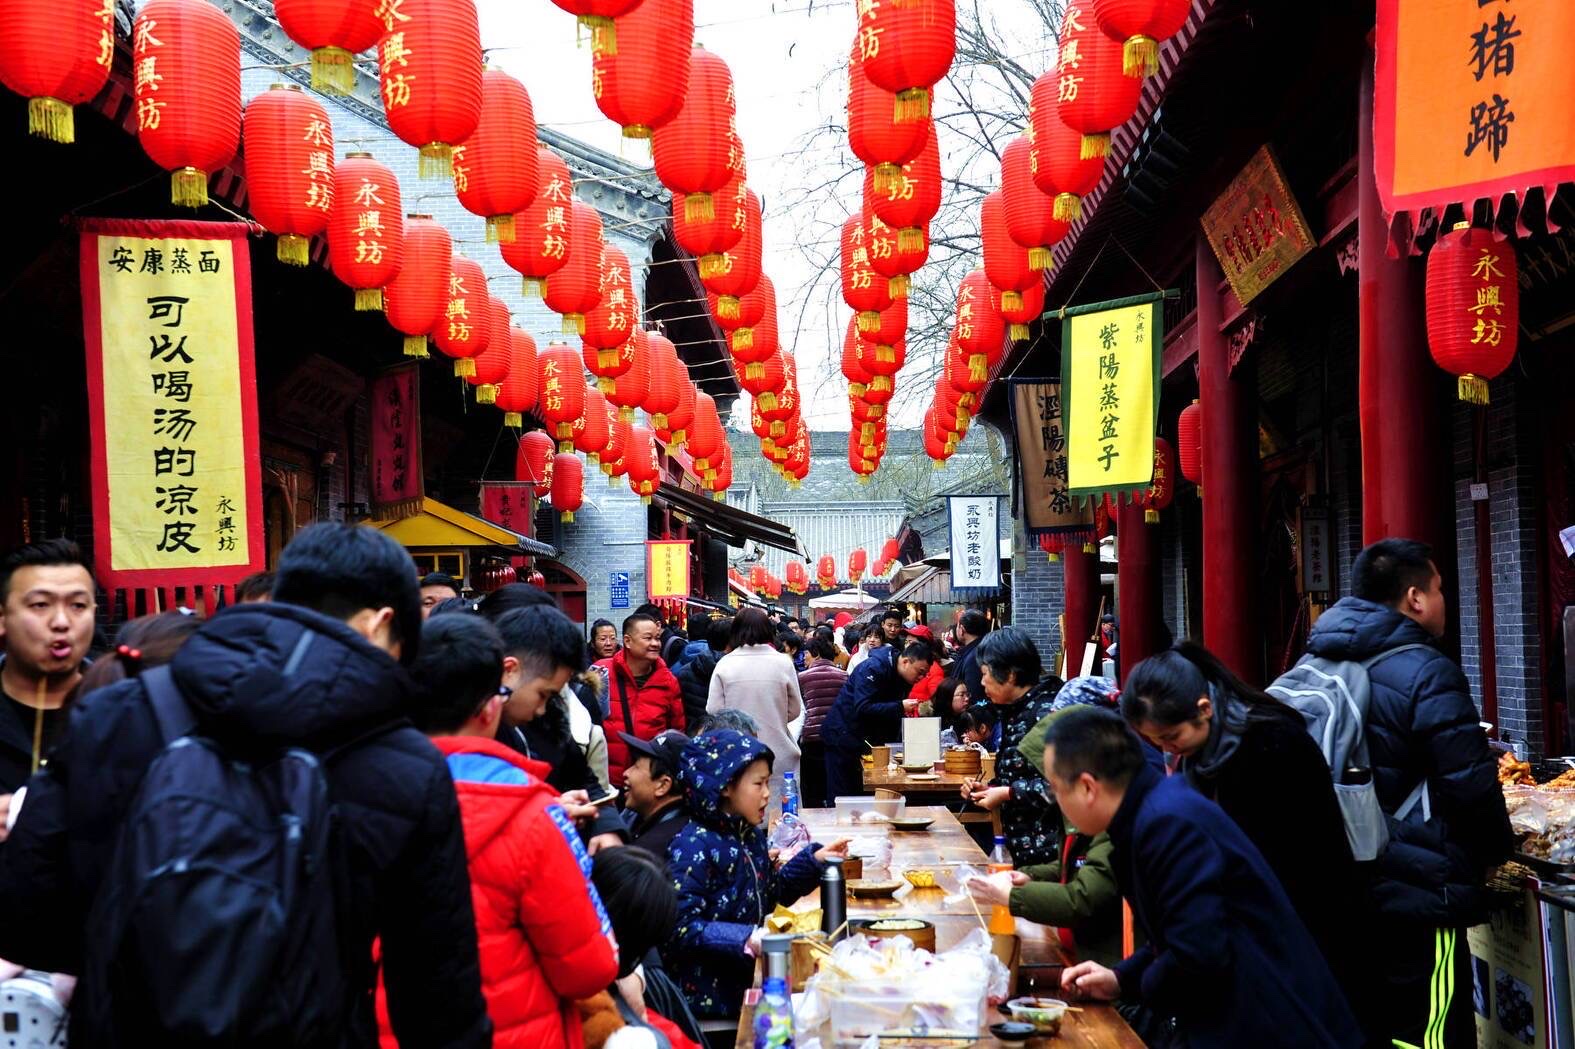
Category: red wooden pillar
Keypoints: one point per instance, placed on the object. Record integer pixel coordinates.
(1232, 629)
(1080, 579)
(1138, 589)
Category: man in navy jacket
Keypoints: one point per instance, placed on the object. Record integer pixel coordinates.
(1226, 954)
(870, 707)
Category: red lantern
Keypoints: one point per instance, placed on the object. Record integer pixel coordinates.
(575, 289)
(890, 259)
(764, 381)
(493, 176)
(599, 17)
(751, 307)
(610, 323)
(680, 418)
(561, 392)
(888, 555)
(959, 371)
(1189, 442)
(533, 463)
(739, 272)
(1030, 212)
(542, 233)
(415, 299)
(710, 239)
(1093, 95)
(366, 231)
(429, 62)
(491, 366)
(858, 463)
(1025, 313)
(797, 465)
(754, 335)
(907, 47)
(913, 199)
(980, 330)
(1056, 161)
(464, 328)
(862, 290)
(590, 429)
(1005, 261)
(853, 368)
(937, 443)
(1163, 487)
(1143, 25)
(630, 390)
(691, 150)
(797, 577)
(517, 391)
(873, 132)
(186, 55)
(667, 374)
(640, 85)
(56, 55)
(787, 400)
(1054, 545)
(613, 456)
(757, 578)
(568, 485)
(334, 31)
(1473, 308)
(289, 154)
(826, 572)
(705, 438)
(645, 469)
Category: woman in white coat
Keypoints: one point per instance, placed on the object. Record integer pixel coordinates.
(756, 678)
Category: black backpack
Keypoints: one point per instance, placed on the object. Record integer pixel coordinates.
(216, 923)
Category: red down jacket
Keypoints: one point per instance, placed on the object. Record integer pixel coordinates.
(543, 936)
(654, 707)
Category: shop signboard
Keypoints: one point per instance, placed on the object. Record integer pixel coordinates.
(618, 589)
(667, 569)
(975, 542)
(1255, 227)
(1039, 432)
(1315, 541)
(1110, 372)
(510, 504)
(397, 485)
(1509, 983)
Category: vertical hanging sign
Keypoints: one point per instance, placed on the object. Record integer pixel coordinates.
(667, 569)
(397, 487)
(172, 394)
(510, 504)
(1110, 373)
(975, 541)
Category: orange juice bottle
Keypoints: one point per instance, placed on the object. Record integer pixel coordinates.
(1001, 919)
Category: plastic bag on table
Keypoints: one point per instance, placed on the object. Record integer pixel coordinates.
(962, 872)
(789, 837)
(875, 852)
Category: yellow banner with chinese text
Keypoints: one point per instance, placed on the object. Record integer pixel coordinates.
(666, 569)
(1110, 364)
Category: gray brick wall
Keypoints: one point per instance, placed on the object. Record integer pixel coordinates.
(1038, 595)
(607, 535)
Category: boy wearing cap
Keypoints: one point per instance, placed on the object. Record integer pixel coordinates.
(653, 798)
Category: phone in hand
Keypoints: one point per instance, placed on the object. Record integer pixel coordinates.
(611, 795)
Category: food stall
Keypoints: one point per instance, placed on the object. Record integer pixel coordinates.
(443, 539)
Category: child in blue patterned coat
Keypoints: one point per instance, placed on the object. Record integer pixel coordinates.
(726, 879)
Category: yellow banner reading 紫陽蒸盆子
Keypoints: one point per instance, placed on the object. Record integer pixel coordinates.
(1109, 394)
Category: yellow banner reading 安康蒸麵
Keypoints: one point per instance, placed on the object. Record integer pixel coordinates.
(1109, 392)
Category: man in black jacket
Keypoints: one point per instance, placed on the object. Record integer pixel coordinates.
(974, 626)
(1436, 780)
(319, 667)
(654, 799)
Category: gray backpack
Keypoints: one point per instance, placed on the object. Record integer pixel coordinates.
(1333, 697)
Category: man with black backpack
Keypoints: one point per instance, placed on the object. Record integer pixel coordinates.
(1436, 783)
(214, 848)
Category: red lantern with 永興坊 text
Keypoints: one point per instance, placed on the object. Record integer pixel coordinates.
(757, 578)
(542, 233)
(914, 197)
(600, 17)
(755, 341)
(691, 151)
(533, 463)
(1473, 308)
(763, 383)
(1189, 443)
(853, 368)
(891, 260)
(493, 176)
(1141, 26)
(491, 366)
(576, 289)
(907, 46)
(517, 392)
(706, 435)
(334, 31)
(1056, 159)
(609, 324)
(1029, 210)
(739, 272)
(1093, 94)
(186, 64)
(590, 429)
(366, 234)
(1025, 312)
(958, 371)
(667, 372)
(417, 296)
(642, 464)
(787, 405)
(630, 389)
(1005, 261)
(560, 393)
(289, 155)
(429, 63)
(618, 430)
(980, 330)
(465, 326)
(865, 292)
(874, 135)
(568, 485)
(640, 85)
(710, 239)
(56, 56)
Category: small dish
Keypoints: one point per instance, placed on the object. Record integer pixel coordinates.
(910, 822)
(923, 777)
(872, 887)
(920, 877)
(1012, 1031)
(922, 766)
(1043, 1014)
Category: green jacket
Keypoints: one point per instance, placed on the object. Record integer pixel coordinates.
(1089, 903)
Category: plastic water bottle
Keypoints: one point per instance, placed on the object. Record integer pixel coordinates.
(1001, 920)
(790, 794)
(773, 1026)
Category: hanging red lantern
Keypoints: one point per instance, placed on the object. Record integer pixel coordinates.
(56, 56)
(667, 373)
(787, 404)
(1030, 212)
(186, 55)
(1005, 261)
(853, 368)
(610, 323)
(429, 62)
(864, 293)
(415, 298)
(629, 390)
(575, 289)
(706, 436)
(464, 328)
(884, 361)
(755, 339)
(874, 135)
(334, 31)
(1056, 159)
(1054, 545)
(366, 230)
(959, 372)
(1163, 487)
(744, 316)
(491, 366)
(889, 330)
(289, 155)
(493, 176)
(533, 462)
(863, 467)
(826, 572)
(937, 444)
(906, 48)
(613, 456)
(1473, 308)
(858, 561)
(600, 17)
(797, 465)
(1093, 95)
(914, 197)
(757, 578)
(865, 412)
(517, 392)
(888, 556)
(644, 467)
(589, 431)
(710, 239)
(891, 260)
(1025, 313)
(640, 85)
(568, 485)
(1142, 25)
(764, 383)
(739, 273)
(1189, 442)
(561, 392)
(981, 332)
(542, 234)
(691, 150)
(682, 417)
(797, 577)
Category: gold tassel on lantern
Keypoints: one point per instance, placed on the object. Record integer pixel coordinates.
(856, 389)
(416, 346)
(767, 401)
(486, 393)
(1140, 56)
(533, 287)
(464, 368)
(500, 229)
(1017, 332)
(607, 360)
(869, 321)
(51, 119)
(437, 161)
(625, 412)
(1151, 516)
(1095, 146)
(659, 420)
(1088, 548)
(744, 339)
(897, 287)
(605, 385)
(368, 299)
(604, 34)
(978, 367)
(189, 187)
(886, 176)
(880, 384)
(565, 437)
(912, 106)
(1068, 207)
(727, 307)
(680, 438)
(910, 238)
(514, 420)
(1473, 389)
(638, 132)
(333, 71)
(293, 249)
(711, 265)
(754, 371)
(612, 478)
(1011, 300)
(567, 517)
(938, 464)
(1040, 259)
(885, 354)
(699, 207)
(594, 458)
(574, 324)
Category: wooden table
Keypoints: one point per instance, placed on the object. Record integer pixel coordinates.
(942, 848)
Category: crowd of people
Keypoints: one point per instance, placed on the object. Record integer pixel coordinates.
(358, 806)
